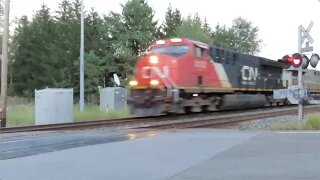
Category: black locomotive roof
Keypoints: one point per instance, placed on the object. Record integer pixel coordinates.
(221, 51)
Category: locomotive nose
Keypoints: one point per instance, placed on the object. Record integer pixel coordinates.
(153, 59)
(151, 70)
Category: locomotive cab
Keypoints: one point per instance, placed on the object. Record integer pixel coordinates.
(157, 75)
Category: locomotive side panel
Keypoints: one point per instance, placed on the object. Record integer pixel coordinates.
(246, 72)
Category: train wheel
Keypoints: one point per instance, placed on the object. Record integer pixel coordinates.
(187, 109)
(204, 108)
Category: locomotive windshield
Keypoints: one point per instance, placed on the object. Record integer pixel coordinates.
(172, 50)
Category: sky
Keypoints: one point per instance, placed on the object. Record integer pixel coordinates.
(278, 20)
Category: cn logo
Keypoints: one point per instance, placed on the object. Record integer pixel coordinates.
(249, 73)
(154, 72)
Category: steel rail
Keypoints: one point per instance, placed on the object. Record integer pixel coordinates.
(164, 122)
(75, 125)
(232, 120)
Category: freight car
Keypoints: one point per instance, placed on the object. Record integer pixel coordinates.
(183, 75)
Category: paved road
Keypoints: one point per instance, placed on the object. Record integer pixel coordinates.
(20, 145)
(179, 154)
(267, 156)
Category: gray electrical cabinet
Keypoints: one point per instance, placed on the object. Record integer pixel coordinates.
(53, 106)
(113, 98)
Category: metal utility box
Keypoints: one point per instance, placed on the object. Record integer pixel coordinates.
(113, 98)
(53, 106)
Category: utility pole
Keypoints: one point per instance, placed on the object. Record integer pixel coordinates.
(82, 59)
(4, 65)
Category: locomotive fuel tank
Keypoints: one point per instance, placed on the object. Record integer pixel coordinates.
(243, 101)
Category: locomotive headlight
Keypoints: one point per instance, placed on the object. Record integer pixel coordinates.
(154, 82)
(153, 60)
(133, 83)
(161, 42)
(176, 40)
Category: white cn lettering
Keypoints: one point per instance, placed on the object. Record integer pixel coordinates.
(249, 73)
(146, 72)
(153, 72)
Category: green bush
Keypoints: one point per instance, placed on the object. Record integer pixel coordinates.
(311, 122)
(314, 122)
(295, 125)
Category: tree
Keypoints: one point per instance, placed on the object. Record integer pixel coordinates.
(191, 27)
(172, 22)
(21, 43)
(127, 36)
(94, 75)
(93, 34)
(206, 27)
(46, 49)
(120, 59)
(67, 43)
(241, 36)
(140, 27)
(67, 51)
(222, 36)
(31, 46)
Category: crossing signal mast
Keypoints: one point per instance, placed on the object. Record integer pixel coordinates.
(299, 61)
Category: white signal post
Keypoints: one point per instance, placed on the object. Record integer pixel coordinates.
(300, 85)
(302, 35)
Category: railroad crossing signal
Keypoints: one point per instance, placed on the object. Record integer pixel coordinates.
(296, 60)
(314, 60)
(303, 35)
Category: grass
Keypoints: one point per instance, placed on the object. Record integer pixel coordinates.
(20, 115)
(311, 122)
(314, 122)
(93, 113)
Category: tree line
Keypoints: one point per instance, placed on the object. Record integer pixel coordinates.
(45, 48)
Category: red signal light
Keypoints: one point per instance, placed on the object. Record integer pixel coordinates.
(290, 59)
(296, 60)
(286, 62)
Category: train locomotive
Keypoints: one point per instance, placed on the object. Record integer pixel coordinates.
(183, 75)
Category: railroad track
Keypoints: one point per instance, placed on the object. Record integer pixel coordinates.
(229, 120)
(213, 119)
(78, 125)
